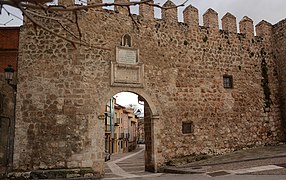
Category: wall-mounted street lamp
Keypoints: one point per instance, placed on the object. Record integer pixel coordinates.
(9, 73)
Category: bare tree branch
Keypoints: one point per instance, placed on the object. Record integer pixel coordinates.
(56, 34)
(34, 10)
(42, 16)
(77, 25)
(12, 14)
(67, 30)
(36, 5)
(58, 20)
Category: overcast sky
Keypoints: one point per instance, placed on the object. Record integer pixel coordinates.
(126, 98)
(270, 10)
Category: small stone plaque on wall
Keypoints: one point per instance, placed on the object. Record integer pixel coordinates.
(127, 55)
(127, 70)
(127, 75)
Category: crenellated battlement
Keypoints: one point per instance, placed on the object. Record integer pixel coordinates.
(229, 23)
(264, 29)
(66, 2)
(210, 19)
(204, 82)
(246, 26)
(146, 11)
(191, 16)
(121, 10)
(169, 14)
(94, 1)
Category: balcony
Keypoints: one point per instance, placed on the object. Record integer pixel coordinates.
(124, 135)
(121, 136)
(107, 129)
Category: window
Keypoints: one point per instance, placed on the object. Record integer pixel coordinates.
(227, 81)
(187, 127)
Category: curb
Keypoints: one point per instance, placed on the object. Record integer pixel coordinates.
(236, 161)
(201, 169)
(175, 170)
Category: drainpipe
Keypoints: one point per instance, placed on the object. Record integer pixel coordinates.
(111, 125)
(111, 117)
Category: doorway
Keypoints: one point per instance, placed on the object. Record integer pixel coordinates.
(129, 123)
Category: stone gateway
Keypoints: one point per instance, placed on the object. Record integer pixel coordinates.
(206, 91)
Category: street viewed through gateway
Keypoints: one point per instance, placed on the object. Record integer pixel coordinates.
(127, 124)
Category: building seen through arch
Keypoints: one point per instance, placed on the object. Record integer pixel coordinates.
(122, 127)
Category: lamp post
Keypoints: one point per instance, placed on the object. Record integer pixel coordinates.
(9, 73)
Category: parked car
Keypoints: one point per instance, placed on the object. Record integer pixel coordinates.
(106, 155)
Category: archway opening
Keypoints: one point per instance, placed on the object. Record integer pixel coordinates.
(128, 127)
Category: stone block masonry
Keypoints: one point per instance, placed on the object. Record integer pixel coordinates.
(63, 90)
(279, 53)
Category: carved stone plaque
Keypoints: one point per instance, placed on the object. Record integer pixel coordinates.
(127, 75)
(126, 55)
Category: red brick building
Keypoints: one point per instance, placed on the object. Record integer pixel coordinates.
(9, 43)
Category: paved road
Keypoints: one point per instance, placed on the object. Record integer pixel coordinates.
(128, 165)
(205, 177)
(131, 166)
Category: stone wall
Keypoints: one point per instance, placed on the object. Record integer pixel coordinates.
(62, 90)
(279, 42)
